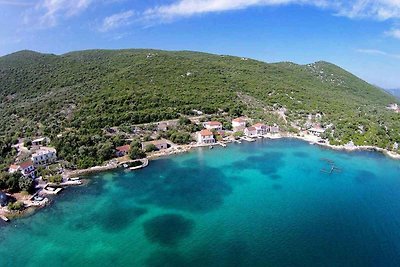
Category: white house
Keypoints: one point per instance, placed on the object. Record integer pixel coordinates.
(261, 128)
(213, 125)
(205, 136)
(44, 155)
(28, 169)
(393, 106)
(250, 131)
(238, 124)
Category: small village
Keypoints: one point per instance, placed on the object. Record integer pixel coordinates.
(38, 161)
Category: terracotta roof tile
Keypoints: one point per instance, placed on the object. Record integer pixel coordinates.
(26, 164)
(205, 132)
(124, 148)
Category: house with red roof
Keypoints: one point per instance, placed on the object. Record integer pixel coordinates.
(205, 136)
(28, 169)
(122, 150)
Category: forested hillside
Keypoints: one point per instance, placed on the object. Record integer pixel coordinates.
(84, 92)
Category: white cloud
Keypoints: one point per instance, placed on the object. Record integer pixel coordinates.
(48, 13)
(15, 3)
(186, 8)
(377, 9)
(116, 21)
(378, 52)
(54, 9)
(395, 33)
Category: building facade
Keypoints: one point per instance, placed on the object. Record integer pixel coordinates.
(159, 144)
(28, 169)
(250, 131)
(261, 128)
(238, 124)
(44, 156)
(205, 137)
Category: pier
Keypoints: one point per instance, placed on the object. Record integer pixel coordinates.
(126, 164)
(51, 190)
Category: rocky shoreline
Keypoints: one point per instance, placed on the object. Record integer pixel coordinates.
(315, 141)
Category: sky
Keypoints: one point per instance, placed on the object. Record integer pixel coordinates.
(361, 36)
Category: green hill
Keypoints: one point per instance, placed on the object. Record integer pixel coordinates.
(86, 91)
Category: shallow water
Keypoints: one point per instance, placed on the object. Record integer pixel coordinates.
(255, 204)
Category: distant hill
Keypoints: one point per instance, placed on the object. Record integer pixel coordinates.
(90, 90)
(395, 92)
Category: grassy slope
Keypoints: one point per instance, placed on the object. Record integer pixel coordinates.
(98, 88)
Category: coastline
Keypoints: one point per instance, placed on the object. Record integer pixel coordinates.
(179, 149)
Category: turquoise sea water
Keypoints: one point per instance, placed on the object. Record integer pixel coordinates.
(256, 204)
